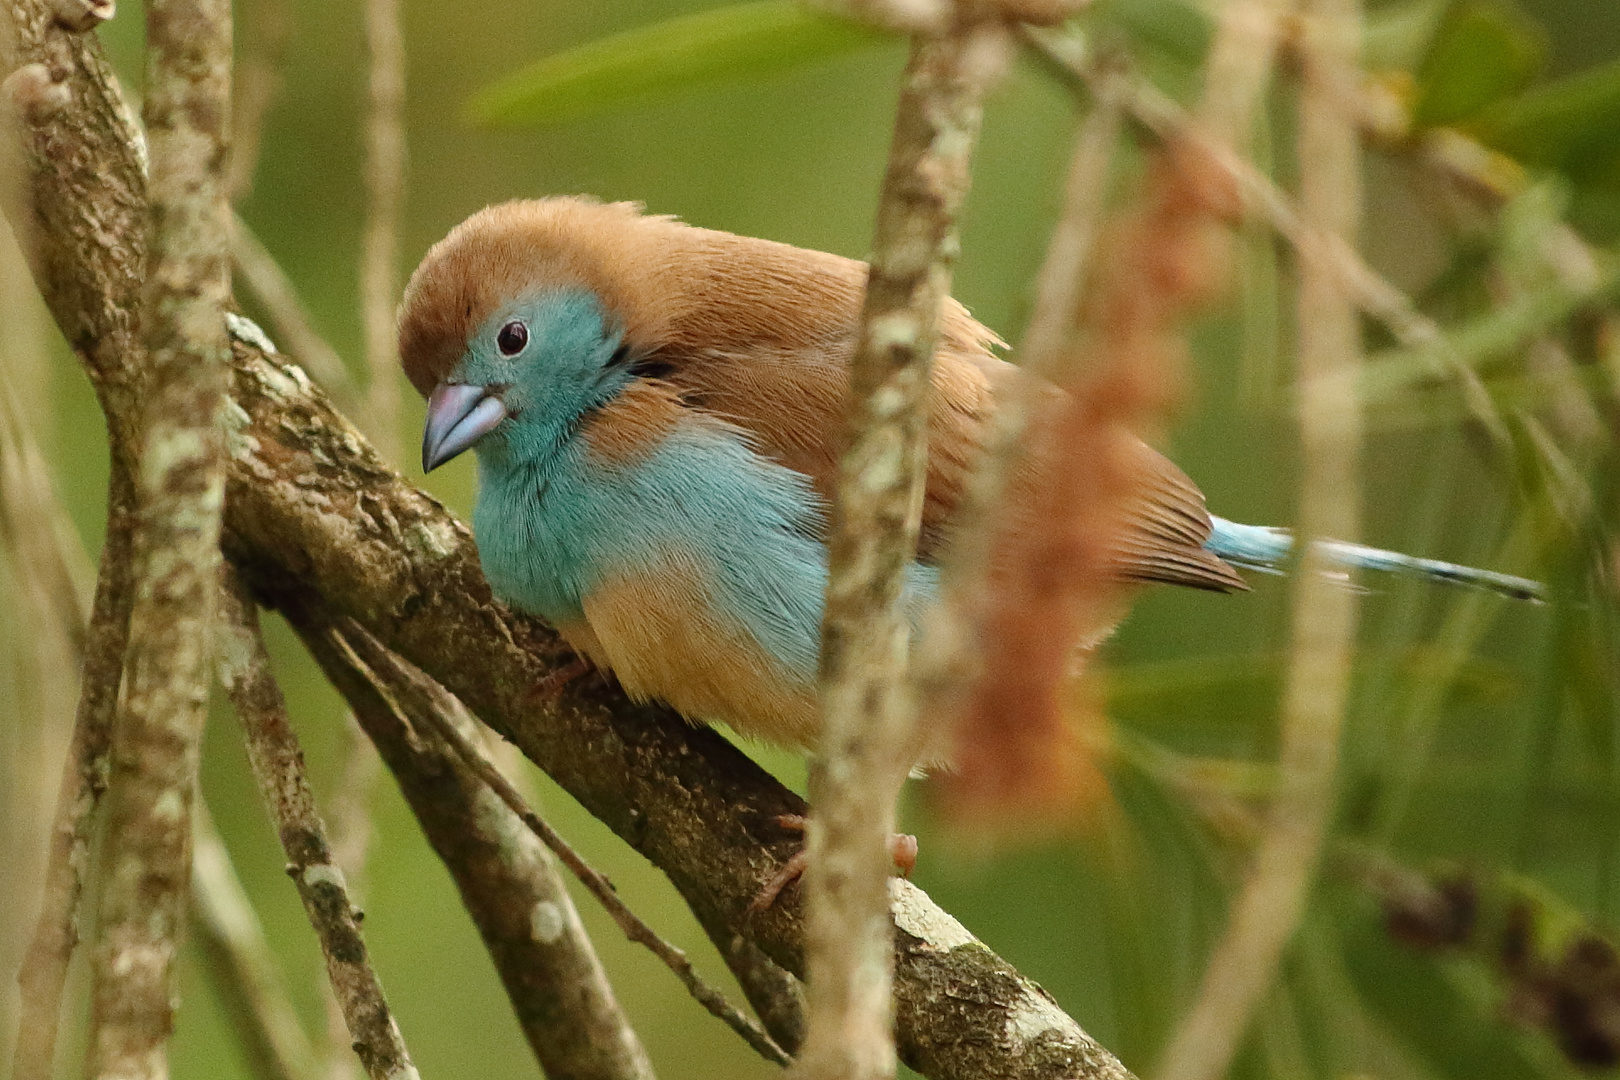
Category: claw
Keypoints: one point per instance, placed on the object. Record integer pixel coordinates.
(902, 849)
(549, 690)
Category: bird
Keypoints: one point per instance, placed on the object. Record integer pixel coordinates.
(655, 410)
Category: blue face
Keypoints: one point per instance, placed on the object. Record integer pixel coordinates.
(529, 373)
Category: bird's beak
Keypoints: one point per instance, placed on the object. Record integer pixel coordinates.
(458, 415)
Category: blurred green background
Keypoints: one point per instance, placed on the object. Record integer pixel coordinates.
(1481, 732)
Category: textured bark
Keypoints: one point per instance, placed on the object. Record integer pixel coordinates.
(84, 221)
(508, 881)
(867, 746)
(316, 517)
(179, 489)
(278, 766)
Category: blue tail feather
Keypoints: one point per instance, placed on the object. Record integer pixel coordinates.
(1266, 549)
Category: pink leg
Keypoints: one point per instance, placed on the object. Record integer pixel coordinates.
(549, 690)
(902, 848)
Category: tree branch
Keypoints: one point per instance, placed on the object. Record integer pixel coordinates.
(508, 881)
(44, 970)
(179, 482)
(867, 716)
(317, 519)
(81, 223)
(278, 766)
(32, 513)
(451, 734)
(245, 972)
(379, 251)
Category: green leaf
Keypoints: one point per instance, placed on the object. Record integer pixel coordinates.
(1484, 52)
(667, 57)
(1571, 125)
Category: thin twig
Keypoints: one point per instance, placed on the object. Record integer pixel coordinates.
(1261, 198)
(351, 826)
(244, 970)
(258, 81)
(278, 766)
(350, 811)
(594, 881)
(179, 494)
(43, 974)
(379, 252)
(775, 993)
(508, 880)
(34, 521)
(1238, 71)
(288, 318)
(867, 744)
(1274, 894)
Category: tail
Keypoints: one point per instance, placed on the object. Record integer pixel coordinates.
(1260, 547)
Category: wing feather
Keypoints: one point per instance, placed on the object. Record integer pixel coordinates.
(787, 388)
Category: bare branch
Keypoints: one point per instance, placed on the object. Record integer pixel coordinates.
(684, 797)
(179, 486)
(245, 972)
(379, 253)
(278, 765)
(350, 831)
(507, 879)
(229, 927)
(776, 995)
(1274, 894)
(1432, 347)
(257, 81)
(351, 806)
(84, 779)
(867, 745)
(594, 881)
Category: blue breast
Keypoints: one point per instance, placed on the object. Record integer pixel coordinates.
(549, 534)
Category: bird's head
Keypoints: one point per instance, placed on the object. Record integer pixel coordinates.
(522, 319)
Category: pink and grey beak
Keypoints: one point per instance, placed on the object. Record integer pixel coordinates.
(458, 416)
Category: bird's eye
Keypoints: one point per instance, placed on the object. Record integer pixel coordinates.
(512, 337)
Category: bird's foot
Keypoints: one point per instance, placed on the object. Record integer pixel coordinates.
(548, 691)
(902, 848)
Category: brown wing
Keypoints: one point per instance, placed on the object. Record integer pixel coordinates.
(1164, 539)
(785, 385)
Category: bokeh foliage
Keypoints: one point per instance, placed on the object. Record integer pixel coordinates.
(1483, 742)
